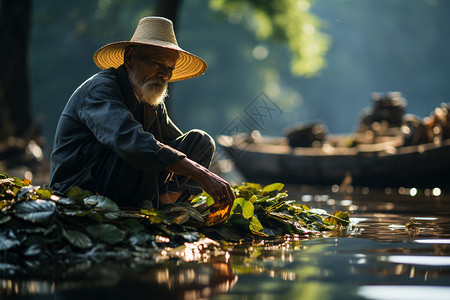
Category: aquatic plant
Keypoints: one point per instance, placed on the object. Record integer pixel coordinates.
(36, 222)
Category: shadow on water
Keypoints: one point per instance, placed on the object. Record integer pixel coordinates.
(399, 248)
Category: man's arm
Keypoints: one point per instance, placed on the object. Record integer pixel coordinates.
(211, 183)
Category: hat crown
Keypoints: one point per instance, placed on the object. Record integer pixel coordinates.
(155, 29)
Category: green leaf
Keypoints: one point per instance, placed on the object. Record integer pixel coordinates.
(106, 232)
(253, 199)
(255, 186)
(44, 193)
(78, 194)
(248, 209)
(37, 211)
(77, 238)
(273, 187)
(238, 220)
(104, 204)
(155, 216)
(203, 197)
(255, 224)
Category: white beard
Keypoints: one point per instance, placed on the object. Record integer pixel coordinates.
(152, 92)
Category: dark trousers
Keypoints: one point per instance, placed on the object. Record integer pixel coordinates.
(198, 146)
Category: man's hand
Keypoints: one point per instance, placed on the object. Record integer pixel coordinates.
(211, 183)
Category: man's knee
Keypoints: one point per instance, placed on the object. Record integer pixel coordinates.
(204, 145)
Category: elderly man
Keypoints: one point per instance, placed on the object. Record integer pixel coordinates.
(114, 136)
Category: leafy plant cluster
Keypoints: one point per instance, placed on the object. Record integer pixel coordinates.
(36, 222)
(266, 212)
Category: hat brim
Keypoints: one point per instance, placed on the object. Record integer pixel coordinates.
(187, 66)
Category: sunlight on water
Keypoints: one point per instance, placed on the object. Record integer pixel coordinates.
(424, 260)
(433, 241)
(406, 292)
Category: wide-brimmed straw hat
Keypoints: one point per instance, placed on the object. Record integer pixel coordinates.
(152, 31)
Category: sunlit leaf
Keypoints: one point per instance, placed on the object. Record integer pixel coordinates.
(253, 199)
(44, 193)
(248, 209)
(77, 238)
(38, 211)
(339, 218)
(219, 213)
(255, 224)
(203, 197)
(273, 187)
(255, 186)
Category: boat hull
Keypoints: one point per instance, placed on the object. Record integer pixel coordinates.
(424, 166)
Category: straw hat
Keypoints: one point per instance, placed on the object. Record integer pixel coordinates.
(154, 31)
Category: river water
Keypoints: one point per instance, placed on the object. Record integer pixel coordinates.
(379, 258)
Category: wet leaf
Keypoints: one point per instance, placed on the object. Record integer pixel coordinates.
(339, 218)
(77, 238)
(66, 201)
(104, 204)
(38, 211)
(33, 250)
(8, 241)
(106, 232)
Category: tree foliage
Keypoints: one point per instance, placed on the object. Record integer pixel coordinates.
(288, 21)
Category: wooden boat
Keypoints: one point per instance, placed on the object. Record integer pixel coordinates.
(384, 164)
(388, 149)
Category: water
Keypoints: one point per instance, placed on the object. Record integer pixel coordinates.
(378, 259)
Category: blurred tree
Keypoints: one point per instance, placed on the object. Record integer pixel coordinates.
(170, 10)
(286, 21)
(15, 111)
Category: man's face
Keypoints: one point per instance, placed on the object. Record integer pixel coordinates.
(150, 69)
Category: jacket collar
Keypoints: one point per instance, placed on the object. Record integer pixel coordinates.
(127, 90)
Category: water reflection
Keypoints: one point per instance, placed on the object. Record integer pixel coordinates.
(170, 280)
(384, 259)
